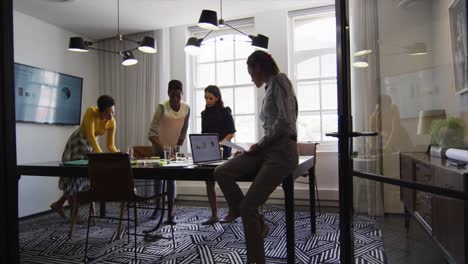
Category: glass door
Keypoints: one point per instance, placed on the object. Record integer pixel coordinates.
(403, 77)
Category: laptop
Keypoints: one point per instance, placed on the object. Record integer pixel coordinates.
(205, 149)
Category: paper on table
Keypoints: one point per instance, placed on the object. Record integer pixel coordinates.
(228, 143)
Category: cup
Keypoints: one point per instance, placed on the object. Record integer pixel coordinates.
(178, 153)
(167, 153)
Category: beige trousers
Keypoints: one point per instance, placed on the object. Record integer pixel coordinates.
(271, 166)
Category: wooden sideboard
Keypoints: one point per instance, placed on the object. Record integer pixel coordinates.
(445, 219)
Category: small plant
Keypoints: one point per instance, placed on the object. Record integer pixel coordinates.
(448, 133)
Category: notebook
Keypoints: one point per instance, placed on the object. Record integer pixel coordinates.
(205, 149)
(76, 163)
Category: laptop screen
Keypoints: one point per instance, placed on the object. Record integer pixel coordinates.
(205, 147)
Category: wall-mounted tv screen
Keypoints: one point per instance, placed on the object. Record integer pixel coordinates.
(48, 97)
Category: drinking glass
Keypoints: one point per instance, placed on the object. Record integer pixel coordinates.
(178, 153)
(130, 152)
(167, 153)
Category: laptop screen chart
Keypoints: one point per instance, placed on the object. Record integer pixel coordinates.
(205, 148)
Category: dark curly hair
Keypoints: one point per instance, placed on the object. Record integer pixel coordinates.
(213, 89)
(264, 60)
(174, 85)
(104, 102)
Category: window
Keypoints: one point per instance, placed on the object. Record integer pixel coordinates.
(314, 65)
(222, 62)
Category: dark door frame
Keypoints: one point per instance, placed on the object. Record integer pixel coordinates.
(345, 166)
(9, 245)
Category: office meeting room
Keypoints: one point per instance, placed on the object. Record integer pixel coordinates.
(234, 131)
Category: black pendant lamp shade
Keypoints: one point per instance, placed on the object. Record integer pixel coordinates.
(208, 20)
(128, 59)
(147, 45)
(260, 42)
(193, 46)
(78, 44)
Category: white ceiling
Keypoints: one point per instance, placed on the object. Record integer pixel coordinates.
(97, 19)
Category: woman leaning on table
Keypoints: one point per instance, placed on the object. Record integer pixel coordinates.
(97, 121)
(272, 159)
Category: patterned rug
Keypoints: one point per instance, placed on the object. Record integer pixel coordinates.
(43, 239)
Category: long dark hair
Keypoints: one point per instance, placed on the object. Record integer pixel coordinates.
(264, 60)
(213, 89)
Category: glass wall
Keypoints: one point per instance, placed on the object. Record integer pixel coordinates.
(409, 82)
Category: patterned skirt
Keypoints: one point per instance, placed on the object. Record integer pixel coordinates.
(76, 147)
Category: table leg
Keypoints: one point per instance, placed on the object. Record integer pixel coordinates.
(288, 187)
(313, 226)
(102, 208)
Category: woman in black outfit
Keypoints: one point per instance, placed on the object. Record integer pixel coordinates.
(216, 119)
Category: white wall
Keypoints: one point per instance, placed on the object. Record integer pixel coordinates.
(43, 45)
(275, 25)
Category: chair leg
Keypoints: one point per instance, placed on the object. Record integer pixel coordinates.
(74, 215)
(91, 207)
(317, 194)
(136, 214)
(119, 227)
(135, 233)
(128, 223)
(173, 239)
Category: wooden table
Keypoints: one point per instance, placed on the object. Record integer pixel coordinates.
(188, 173)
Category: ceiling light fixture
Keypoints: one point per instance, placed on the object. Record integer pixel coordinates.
(209, 20)
(147, 45)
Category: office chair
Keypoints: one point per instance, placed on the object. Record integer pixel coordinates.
(111, 180)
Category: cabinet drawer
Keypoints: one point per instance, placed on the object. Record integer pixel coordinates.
(448, 179)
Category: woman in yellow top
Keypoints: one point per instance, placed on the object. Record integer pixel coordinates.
(97, 121)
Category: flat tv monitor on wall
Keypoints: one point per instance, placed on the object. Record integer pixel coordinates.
(47, 97)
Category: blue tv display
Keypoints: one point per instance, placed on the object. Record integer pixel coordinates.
(47, 97)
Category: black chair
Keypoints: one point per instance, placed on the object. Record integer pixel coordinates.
(111, 180)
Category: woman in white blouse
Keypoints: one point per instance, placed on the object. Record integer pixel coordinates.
(272, 159)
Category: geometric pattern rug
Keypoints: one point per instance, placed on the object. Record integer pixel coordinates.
(43, 239)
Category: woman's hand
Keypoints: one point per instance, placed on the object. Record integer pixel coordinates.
(253, 149)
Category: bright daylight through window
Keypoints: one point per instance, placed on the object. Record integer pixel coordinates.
(314, 64)
(222, 62)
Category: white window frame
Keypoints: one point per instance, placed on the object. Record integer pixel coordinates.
(306, 14)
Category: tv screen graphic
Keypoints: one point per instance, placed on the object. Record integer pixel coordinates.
(47, 97)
